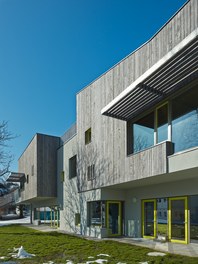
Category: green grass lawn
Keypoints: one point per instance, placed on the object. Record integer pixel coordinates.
(59, 248)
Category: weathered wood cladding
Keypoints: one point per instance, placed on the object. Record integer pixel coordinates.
(39, 162)
(47, 165)
(25, 163)
(108, 146)
(150, 162)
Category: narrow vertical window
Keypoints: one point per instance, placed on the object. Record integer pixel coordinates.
(62, 176)
(72, 167)
(77, 219)
(32, 170)
(88, 136)
(90, 172)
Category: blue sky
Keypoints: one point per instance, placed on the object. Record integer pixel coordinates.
(51, 49)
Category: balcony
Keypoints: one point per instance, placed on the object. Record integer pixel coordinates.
(150, 162)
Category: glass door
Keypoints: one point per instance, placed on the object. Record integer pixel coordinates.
(114, 218)
(178, 219)
(149, 218)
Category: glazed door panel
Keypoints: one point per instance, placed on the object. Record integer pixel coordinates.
(178, 219)
(114, 218)
(149, 218)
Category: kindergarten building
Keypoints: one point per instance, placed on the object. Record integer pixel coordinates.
(129, 166)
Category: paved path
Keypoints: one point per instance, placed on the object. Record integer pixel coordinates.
(190, 250)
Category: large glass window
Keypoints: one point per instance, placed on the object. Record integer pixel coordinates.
(153, 128)
(185, 120)
(96, 213)
(143, 133)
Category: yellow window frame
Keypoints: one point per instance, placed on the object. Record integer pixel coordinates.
(185, 198)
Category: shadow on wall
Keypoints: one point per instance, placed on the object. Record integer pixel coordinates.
(75, 190)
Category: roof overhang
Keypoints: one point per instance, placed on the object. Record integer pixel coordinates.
(16, 177)
(176, 69)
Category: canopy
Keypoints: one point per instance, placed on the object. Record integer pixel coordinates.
(16, 177)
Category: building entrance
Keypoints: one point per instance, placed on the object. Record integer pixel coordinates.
(178, 219)
(162, 219)
(114, 218)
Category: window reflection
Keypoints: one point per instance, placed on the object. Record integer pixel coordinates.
(96, 213)
(185, 120)
(143, 133)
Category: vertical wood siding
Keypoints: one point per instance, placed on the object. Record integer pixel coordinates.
(108, 146)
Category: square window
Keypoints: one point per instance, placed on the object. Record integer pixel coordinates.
(88, 136)
(72, 167)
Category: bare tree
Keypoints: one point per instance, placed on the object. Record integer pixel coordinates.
(5, 155)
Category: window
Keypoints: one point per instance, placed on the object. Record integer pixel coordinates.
(77, 219)
(143, 133)
(72, 167)
(185, 120)
(96, 213)
(32, 170)
(62, 176)
(153, 128)
(88, 136)
(148, 130)
(90, 172)
(22, 185)
(27, 179)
